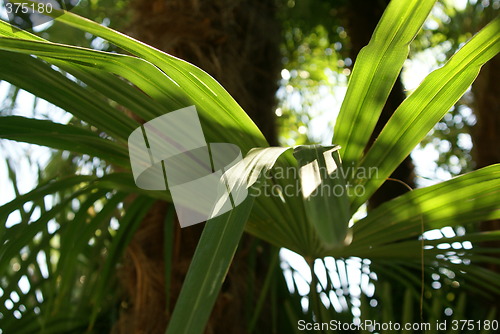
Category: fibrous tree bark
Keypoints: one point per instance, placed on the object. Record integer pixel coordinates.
(237, 42)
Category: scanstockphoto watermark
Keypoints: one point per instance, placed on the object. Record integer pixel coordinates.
(366, 325)
(206, 180)
(269, 185)
(170, 152)
(352, 171)
(457, 325)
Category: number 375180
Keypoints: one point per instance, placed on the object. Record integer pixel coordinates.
(471, 325)
(18, 8)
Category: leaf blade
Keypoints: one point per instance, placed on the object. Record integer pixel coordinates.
(208, 269)
(423, 109)
(375, 72)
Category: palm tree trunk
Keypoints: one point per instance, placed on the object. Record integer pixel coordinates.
(237, 42)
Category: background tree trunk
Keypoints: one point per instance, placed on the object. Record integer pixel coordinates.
(486, 132)
(237, 42)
